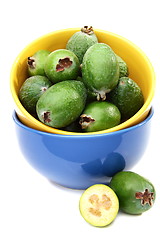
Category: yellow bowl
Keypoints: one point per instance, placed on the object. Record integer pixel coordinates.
(140, 70)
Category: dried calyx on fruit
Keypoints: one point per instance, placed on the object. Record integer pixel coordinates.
(88, 30)
(63, 63)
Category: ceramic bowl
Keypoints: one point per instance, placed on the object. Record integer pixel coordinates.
(78, 162)
(140, 70)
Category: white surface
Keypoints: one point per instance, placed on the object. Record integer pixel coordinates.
(31, 208)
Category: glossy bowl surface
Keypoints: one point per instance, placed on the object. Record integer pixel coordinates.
(140, 69)
(81, 161)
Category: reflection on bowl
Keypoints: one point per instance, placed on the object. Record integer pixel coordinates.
(81, 161)
(140, 70)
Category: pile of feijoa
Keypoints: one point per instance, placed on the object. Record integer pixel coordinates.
(128, 192)
(85, 87)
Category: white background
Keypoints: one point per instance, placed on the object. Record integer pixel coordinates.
(31, 208)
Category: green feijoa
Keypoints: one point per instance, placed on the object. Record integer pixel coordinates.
(36, 63)
(99, 116)
(100, 69)
(61, 65)
(62, 104)
(127, 96)
(123, 68)
(136, 194)
(80, 41)
(31, 90)
(99, 205)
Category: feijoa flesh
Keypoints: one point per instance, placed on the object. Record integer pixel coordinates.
(61, 65)
(127, 96)
(62, 104)
(36, 63)
(99, 205)
(99, 116)
(136, 194)
(80, 41)
(100, 69)
(31, 90)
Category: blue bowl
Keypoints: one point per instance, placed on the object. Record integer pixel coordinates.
(77, 161)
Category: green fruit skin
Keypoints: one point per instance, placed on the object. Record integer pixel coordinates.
(80, 42)
(125, 184)
(100, 69)
(69, 73)
(40, 58)
(106, 115)
(64, 101)
(123, 68)
(31, 90)
(127, 96)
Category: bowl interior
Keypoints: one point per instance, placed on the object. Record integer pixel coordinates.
(140, 70)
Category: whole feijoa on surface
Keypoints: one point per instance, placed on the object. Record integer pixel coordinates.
(62, 104)
(99, 116)
(136, 194)
(61, 65)
(123, 67)
(127, 96)
(31, 90)
(80, 41)
(99, 205)
(100, 69)
(36, 63)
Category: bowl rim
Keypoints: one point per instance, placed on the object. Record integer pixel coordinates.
(49, 129)
(121, 131)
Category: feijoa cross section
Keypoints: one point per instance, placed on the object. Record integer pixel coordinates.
(99, 205)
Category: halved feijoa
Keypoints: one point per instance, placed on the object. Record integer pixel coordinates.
(136, 194)
(80, 41)
(31, 90)
(99, 205)
(61, 65)
(36, 63)
(99, 116)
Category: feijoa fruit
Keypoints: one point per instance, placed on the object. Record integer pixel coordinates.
(136, 194)
(123, 67)
(127, 96)
(61, 65)
(100, 69)
(80, 41)
(99, 116)
(99, 205)
(62, 104)
(36, 63)
(31, 90)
